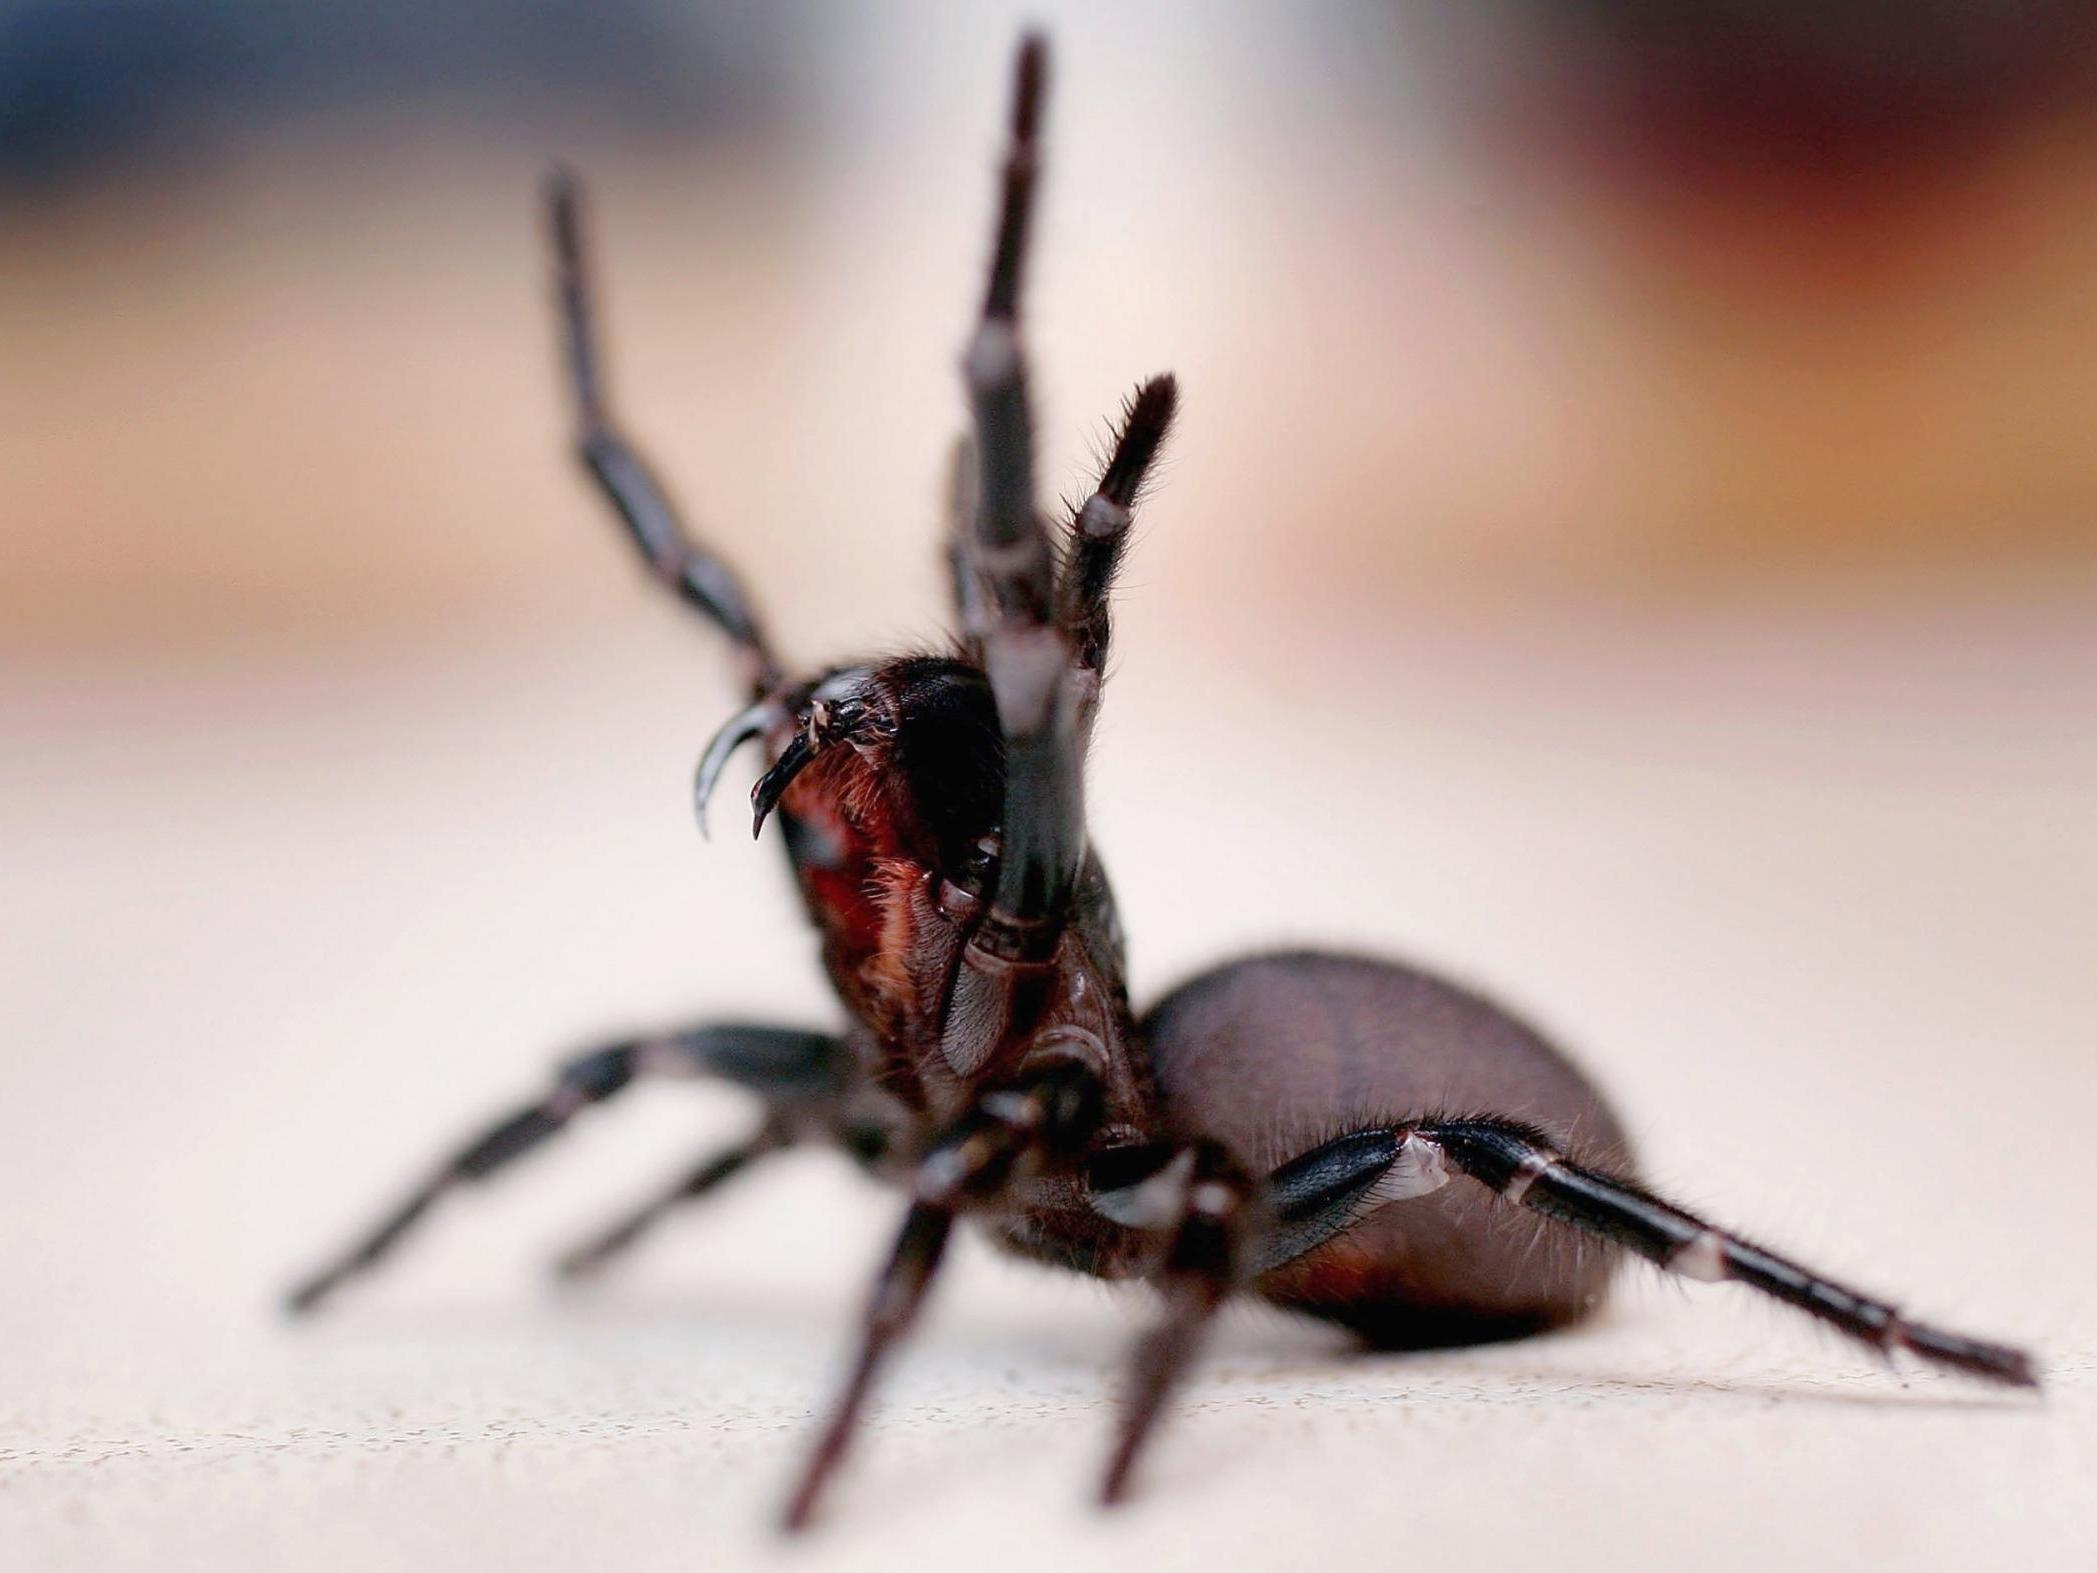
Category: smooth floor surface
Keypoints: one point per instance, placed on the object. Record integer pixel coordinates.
(1811, 888)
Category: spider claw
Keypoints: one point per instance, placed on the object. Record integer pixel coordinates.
(738, 730)
(772, 785)
(832, 714)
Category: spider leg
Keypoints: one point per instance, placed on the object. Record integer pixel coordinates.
(970, 613)
(1201, 1267)
(971, 1166)
(590, 1256)
(680, 561)
(1010, 548)
(1340, 1182)
(1099, 532)
(1026, 653)
(783, 1065)
(1321, 1193)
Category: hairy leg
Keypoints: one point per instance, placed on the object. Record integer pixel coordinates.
(1322, 1193)
(1099, 533)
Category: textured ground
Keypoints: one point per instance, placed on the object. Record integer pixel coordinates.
(1813, 889)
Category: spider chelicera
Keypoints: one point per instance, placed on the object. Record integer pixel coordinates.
(1320, 1130)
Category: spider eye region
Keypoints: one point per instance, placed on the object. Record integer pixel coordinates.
(905, 759)
(948, 756)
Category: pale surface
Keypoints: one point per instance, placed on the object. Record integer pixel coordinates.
(1812, 890)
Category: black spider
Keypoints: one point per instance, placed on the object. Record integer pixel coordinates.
(992, 1066)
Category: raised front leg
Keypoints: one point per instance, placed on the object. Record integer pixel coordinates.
(1024, 649)
(1099, 534)
(793, 1071)
(697, 576)
(971, 615)
(1098, 537)
(1009, 563)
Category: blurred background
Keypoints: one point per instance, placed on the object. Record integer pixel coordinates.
(1631, 539)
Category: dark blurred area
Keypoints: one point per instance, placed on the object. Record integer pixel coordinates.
(1822, 89)
(137, 83)
(99, 90)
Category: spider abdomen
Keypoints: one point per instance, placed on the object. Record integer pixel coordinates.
(1276, 1053)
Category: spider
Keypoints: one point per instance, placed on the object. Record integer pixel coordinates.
(1318, 1130)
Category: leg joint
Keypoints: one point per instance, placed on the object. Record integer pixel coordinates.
(597, 1075)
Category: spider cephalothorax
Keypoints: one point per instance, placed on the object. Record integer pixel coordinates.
(888, 782)
(1336, 1134)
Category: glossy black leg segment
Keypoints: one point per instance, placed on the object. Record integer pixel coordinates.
(898, 1293)
(786, 1066)
(1322, 1193)
(688, 568)
(1049, 1115)
(1316, 1196)
(971, 610)
(1202, 1267)
(592, 1255)
(1012, 549)
(1100, 532)
(1025, 651)
(1520, 1164)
